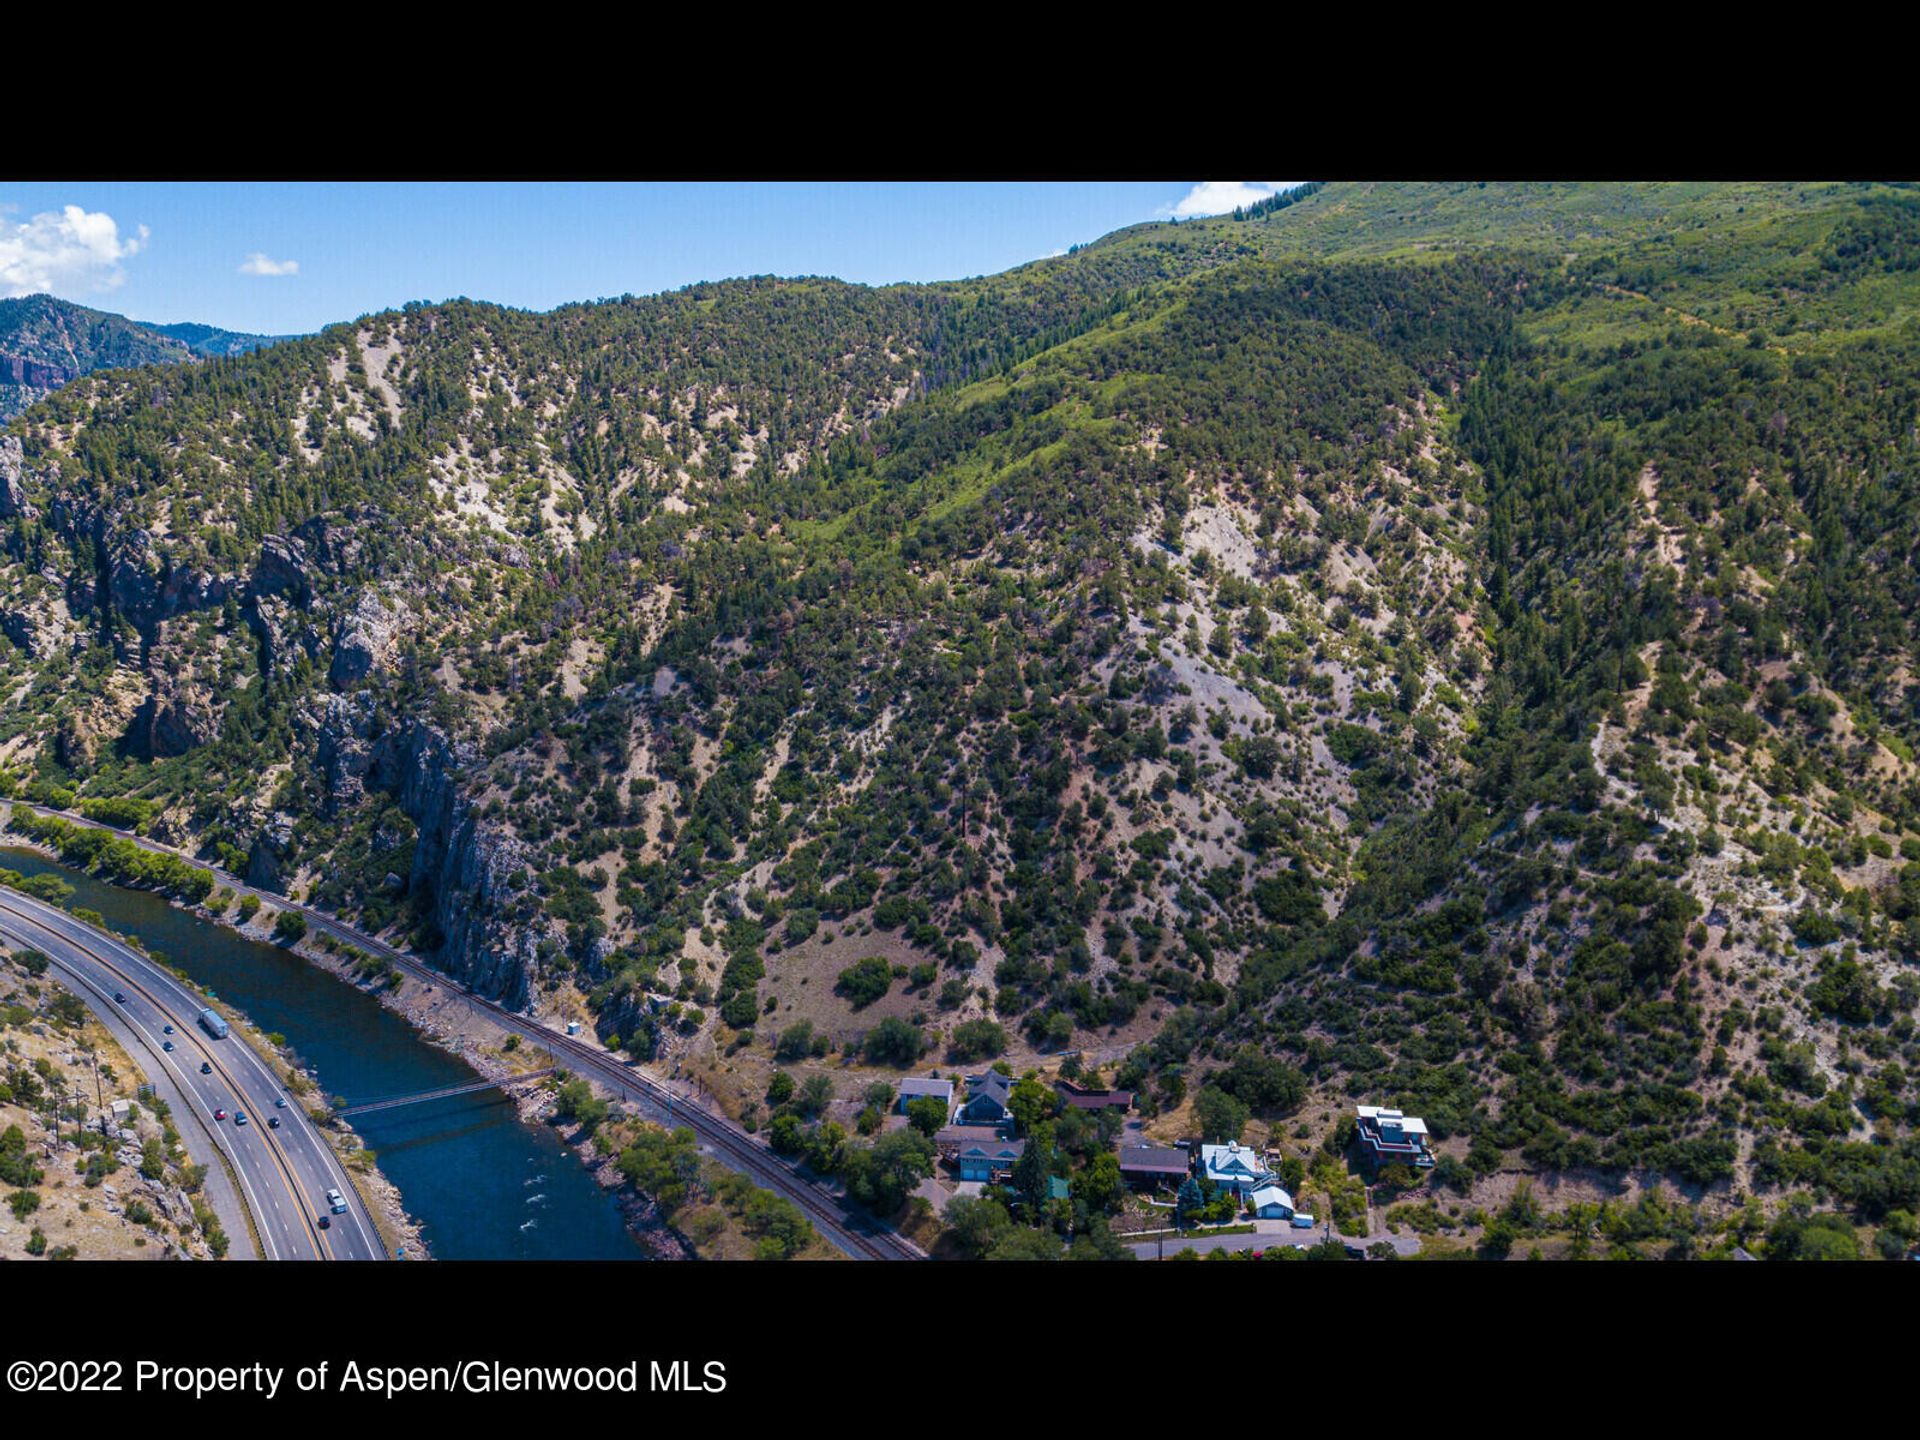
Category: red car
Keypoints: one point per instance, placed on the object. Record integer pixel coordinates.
(219, 1114)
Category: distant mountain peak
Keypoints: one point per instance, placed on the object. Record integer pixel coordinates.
(46, 341)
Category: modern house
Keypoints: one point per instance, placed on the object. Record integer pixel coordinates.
(1151, 1165)
(917, 1087)
(987, 1097)
(1079, 1098)
(1270, 1202)
(1387, 1135)
(1235, 1167)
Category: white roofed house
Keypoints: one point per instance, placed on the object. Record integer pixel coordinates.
(1235, 1167)
(1389, 1135)
(1270, 1202)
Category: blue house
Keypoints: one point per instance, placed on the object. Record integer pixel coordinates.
(987, 1097)
(1235, 1167)
(920, 1088)
(978, 1153)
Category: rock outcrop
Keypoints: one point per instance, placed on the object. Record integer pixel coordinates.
(365, 639)
(13, 480)
(271, 856)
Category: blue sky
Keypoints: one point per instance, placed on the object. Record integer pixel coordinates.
(287, 258)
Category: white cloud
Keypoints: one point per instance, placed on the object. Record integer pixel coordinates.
(65, 252)
(259, 263)
(1219, 197)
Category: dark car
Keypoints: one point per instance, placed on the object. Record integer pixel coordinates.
(206, 1067)
(166, 1029)
(119, 997)
(280, 1104)
(219, 1114)
(326, 1223)
(166, 1044)
(273, 1122)
(1354, 1252)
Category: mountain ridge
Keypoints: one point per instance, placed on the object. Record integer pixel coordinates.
(1441, 645)
(46, 342)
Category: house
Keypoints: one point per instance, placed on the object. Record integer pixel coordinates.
(1079, 1098)
(1235, 1167)
(987, 1097)
(1270, 1202)
(978, 1152)
(950, 1140)
(1151, 1165)
(1387, 1135)
(919, 1088)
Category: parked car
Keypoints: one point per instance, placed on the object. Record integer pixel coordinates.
(1302, 1222)
(1354, 1252)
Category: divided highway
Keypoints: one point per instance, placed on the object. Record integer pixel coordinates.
(851, 1231)
(285, 1173)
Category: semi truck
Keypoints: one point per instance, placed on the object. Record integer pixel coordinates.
(213, 1023)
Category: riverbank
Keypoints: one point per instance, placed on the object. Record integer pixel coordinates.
(444, 1017)
(399, 1232)
(436, 1012)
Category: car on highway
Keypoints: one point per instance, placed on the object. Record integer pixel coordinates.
(273, 1122)
(325, 1223)
(206, 1067)
(281, 1103)
(219, 1114)
(239, 1117)
(166, 1029)
(119, 997)
(336, 1202)
(166, 1044)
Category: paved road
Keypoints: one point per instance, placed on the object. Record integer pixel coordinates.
(850, 1230)
(284, 1174)
(1273, 1237)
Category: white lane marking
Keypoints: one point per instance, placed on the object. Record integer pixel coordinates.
(329, 1165)
(79, 968)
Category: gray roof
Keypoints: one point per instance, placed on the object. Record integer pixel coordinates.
(1153, 1157)
(992, 1083)
(917, 1086)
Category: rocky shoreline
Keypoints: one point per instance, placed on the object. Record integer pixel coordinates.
(442, 1017)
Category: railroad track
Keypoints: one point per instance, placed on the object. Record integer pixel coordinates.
(859, 1236)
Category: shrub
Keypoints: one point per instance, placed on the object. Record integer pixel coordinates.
(865, 981)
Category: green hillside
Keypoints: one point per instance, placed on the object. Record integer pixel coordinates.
(1447, 646)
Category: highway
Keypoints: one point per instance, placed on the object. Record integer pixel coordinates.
(283, 1174)
(848, 1229)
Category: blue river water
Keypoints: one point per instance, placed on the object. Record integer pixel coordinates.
(483, 1184)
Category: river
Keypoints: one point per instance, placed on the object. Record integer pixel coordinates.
(483, 1184)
